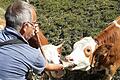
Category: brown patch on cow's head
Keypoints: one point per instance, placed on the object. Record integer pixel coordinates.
(103, 56)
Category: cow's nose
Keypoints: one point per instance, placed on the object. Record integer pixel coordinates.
(68, 58)
(71, 59)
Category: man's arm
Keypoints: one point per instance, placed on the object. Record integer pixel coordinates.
(53, 67)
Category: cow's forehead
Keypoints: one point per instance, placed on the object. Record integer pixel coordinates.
(51, 53)
(86, 41)
(48, 46)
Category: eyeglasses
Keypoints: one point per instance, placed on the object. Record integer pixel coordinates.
(34, 24)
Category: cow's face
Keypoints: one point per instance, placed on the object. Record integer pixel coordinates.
(52, 53)
(102, 55)
(81, 54)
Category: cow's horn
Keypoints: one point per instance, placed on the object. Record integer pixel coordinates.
(60, 45)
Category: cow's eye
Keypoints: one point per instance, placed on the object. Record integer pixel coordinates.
(111, 55)
(88, 50)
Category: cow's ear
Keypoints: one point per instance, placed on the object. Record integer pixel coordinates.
(59, 47)
(109, 46)
(59, 50)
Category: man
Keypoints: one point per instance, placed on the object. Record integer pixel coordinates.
(17, 59)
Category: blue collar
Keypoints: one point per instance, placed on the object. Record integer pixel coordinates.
(15, 33)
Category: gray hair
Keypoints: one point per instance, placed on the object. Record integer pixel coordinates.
(18, 13)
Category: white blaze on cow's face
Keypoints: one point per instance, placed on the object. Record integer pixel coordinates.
(78, 55)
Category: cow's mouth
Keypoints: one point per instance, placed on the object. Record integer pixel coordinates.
(67, 65)
(79, 66)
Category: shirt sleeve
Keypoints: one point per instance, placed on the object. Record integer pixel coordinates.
(34, 58)
(39, 63)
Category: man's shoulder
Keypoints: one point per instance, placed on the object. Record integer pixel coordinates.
(4, 36)
(20, 50)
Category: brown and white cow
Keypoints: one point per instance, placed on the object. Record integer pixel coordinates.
(109, 35)
(82, 53)
(107, 56)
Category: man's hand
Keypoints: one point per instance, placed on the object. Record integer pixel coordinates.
(53, 67)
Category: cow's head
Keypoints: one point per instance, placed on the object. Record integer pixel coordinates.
(103, 56)
(103, 61)
(81, 54)
(52, 54)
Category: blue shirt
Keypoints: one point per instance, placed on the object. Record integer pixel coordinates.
(17, 59)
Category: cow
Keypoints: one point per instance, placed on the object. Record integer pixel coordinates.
(111, 34)
(82, 53)
(51, 53)
(107, 57)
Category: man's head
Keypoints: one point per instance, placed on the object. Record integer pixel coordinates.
(22, 17)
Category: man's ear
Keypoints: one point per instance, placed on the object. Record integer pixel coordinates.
(24, 28)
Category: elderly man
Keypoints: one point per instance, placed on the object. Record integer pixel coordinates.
(17, 59)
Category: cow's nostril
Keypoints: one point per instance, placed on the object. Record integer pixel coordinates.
(71, 59)
(68, 58)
